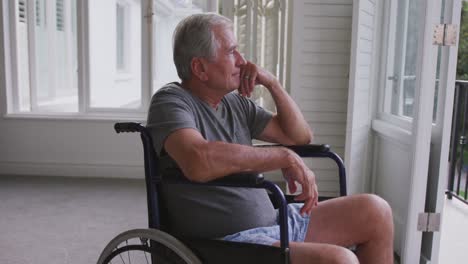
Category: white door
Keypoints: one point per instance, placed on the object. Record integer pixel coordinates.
(403, 127)
(441, 130)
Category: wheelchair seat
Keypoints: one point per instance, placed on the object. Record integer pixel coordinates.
(157, 245)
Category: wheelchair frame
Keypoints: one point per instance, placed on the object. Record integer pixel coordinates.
(250, 180)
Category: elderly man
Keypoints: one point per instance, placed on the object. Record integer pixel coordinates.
(207, 129)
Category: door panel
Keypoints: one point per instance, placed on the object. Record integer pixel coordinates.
(389, 152)
(438, 170)
(402, 151)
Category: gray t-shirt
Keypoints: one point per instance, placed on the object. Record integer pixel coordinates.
(210, 212)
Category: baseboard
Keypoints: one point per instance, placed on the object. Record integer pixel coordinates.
(73, 170)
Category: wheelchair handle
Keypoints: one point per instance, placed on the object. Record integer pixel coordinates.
(130, 127)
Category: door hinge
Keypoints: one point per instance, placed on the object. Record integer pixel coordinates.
(445, 35)
(429, 222)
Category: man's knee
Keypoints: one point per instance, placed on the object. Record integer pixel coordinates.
(377, 206)
(378, 211)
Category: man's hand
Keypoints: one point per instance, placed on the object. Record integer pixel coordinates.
(288, 126)
(252, 75)
(299, 172)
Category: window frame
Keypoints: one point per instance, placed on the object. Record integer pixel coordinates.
(389, 28)
(384, 111)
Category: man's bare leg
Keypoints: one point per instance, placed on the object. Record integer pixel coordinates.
(363, 220)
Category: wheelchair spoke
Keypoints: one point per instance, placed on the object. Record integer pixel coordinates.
(123, 261)
(128, 253)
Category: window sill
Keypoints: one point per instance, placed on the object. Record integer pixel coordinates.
(136, 117)
(401, 122)
(392, 131)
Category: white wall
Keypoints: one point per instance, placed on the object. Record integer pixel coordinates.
(393, 164)
(71, 148)
(320, 72)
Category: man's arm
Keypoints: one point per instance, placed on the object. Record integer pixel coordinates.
(288, 126)
(203, 161)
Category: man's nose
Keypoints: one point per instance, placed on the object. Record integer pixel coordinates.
(240, 59)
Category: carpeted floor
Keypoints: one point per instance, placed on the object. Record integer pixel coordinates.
(58, 220)
(63, 220)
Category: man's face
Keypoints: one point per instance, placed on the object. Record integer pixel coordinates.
(224, 69)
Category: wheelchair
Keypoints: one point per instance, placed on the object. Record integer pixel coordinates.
(156, 244)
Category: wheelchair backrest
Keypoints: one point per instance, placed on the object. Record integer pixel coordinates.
(156, 208)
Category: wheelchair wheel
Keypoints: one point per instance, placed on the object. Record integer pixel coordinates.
(149, 246)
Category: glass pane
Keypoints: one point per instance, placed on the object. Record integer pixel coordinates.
(47, 56)
(168, 15)
(120, 37)
(115, 54)
(437, 82)
(24, 97)
(260, 32)
(406, 51)
(462, 60)
(439, 56)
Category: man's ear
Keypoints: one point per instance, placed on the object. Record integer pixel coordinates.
(199, 68)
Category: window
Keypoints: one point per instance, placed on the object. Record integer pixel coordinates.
(39, 13)
(168, 14)
(84, 58)
(22, 11)
(261, 31)
(120, 21)
(406, 48)
(401, 65)
(59, 15)
(45, 57)
(122, 36)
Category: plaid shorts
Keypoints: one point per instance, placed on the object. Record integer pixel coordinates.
(297, 227)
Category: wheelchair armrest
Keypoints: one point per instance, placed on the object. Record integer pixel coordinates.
(252, 180)
(318, 151)
(309, 150)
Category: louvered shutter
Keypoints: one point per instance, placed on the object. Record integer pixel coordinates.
(320, 50)
(358, 135)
